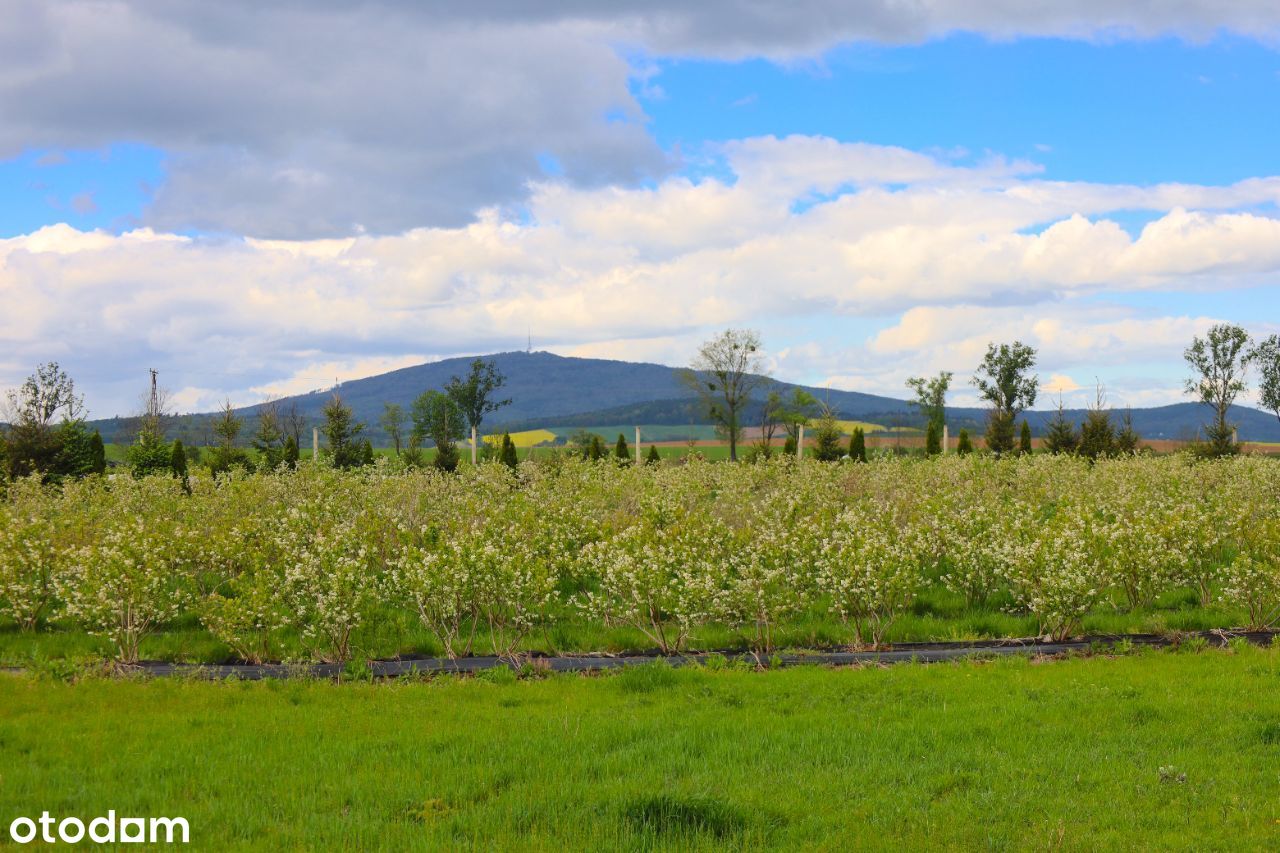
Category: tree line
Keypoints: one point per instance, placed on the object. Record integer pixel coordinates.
(729, 370)
(46, 432)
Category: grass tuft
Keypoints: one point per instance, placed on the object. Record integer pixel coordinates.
(647, 678)
(673, 817)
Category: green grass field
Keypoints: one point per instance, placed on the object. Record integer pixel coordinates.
(1156, 751)
(938, 615)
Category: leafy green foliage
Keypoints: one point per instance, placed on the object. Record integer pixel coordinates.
(1219, 362)
(473, 395)
(392, 423)
(931, 397)
(1005, 381)
(725, 373)
(436, 416)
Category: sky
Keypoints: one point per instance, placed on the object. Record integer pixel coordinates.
(263, 199)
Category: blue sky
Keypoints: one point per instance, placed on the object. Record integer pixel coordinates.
(1126, 112)
(879, 195)
(1131, 112)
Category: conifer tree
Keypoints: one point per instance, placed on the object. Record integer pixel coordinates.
(964, 445)
(508, 456)
(789, 447)
(595, 450)
(98, 453)
(446, 458)
(1127, 439)
(268, 438)
(291, 453)
(826, 437)
(1097, 434)
(932, 439)
(413, 452)
(150, 454)
(1024, 439)
(178, 465)
(621, 452)
(999, 436)
(341, 430)
(1060, 435)
(75, 455)
(858, 445)
(366, 452)
(653, 458)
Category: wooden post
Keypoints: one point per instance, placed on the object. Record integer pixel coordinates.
(946, 438)
(637, 445)
(473, 446)
(315, 444)
(800, 443)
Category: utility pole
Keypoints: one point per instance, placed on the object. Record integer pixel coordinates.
(153, 402)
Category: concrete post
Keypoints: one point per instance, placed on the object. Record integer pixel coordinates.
(637, 445)
(474, 449)
(800, 443)
(1235, 435)
(315, 444)
(946, 439)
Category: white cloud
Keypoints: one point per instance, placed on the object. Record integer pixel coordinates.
(1059, 383)
(322, 375)
(301, 120)
(949, 256)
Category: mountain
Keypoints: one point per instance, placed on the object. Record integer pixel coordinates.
(548, 390)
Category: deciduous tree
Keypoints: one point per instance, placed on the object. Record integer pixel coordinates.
(1006, 381)
(725, 373)
(392, 423)
(1220, 362)
(437, 417)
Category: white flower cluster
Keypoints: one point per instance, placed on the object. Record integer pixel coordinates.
(490, 555)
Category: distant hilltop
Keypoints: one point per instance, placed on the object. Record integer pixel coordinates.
(549, 390)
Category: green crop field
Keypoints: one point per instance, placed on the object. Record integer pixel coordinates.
(1156, 751)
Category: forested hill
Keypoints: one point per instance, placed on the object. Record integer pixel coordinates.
(552, 390)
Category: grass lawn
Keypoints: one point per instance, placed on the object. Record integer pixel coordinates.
(1007, 755)
(937, 615)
